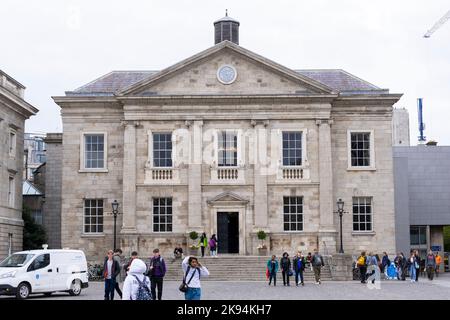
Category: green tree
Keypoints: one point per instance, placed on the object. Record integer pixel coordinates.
(34, 235)
(447, 238)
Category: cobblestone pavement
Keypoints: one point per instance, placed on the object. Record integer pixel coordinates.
(350, 290)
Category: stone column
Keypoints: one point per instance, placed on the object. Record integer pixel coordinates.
(327, 231)
(129, 178)
(260, 175)
(195, 176)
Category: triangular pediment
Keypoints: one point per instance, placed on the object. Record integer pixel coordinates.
(199, 75)
(227, 197)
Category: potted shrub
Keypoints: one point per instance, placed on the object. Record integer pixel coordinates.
(193, 248)
(262, 248)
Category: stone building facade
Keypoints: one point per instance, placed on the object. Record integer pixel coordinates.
(14, 110)
(228, 142)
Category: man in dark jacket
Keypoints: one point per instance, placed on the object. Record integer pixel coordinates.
(157, 271)
(111, 270)
(317, 263)
(418, 264)
(299, 263)
(285, 264)
(385, 262)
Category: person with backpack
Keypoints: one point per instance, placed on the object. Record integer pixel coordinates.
(317, 263)
(430, 263)
(111, 270)
(193, 271)
(137, 285)
(361, 263)
(213, 246)
(285, 264)
(385, 262)
(203, 243)
(272, 269)
(299, 264)
(156, 271)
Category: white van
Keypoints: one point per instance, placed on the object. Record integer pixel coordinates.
(43, 271)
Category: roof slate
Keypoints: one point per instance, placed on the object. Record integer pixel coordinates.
(337, 79)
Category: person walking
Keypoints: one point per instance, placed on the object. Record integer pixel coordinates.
(385, 262)
(119, 279)
(137, 285)
(111, 270)
(361, 263)
(157, 271)
(193, 270)
(299, 263)
(438, 263)
(317, 263)
(203, 243)
(372, 264)
(285, 264)
(272, 267)
(213, 246)
(430, 263)
(412, 266)
(400, 262)
(418, 264)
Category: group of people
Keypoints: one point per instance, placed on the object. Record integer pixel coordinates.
(299, 263)
(203, 243)
(399, 267)
(145, 281)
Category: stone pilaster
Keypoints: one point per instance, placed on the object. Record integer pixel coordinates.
(260, 174)
(129, 178)
(195, 176)
(327, 230)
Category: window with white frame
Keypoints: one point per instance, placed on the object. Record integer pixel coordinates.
(360, 149)
(227, 149)
(293, 213)
(362, 214)
(162, 149)
(93, 215)
(12, 143)
(11, 189)
(162, 214)
(94, 151)
(292, 148)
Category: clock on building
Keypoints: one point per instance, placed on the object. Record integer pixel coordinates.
(226, 74)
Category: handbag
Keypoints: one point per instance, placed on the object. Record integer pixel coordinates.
(290, 273)
(184, 286)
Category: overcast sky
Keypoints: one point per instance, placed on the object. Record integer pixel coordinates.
(52, 46)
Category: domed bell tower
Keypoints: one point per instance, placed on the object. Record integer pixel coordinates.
(226, 28)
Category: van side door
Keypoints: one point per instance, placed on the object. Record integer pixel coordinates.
(40, 273)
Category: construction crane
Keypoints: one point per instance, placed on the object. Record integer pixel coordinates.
(437, 25)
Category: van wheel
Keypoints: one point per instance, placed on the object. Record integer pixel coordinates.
(75, 288)
(23, 291)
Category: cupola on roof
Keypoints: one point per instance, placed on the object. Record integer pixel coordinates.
(226, 28)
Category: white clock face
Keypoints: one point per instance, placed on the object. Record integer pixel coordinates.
(226, 74)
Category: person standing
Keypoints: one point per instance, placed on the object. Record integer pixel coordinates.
(213, 246)
(418, 264)
(157, 271)
(298, 263)
(412, 266)
(430, 264)
(285, 264)
(111, 270)
(178, 252)
(193, 270)
(134, 255)
(135, 279)
(438, 263)
(203, 242)
(317, 263)
(309, 260)
(118, 258)
(272, 267)
(361, 263)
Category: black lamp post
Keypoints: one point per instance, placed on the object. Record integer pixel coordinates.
(115, 212)
(340, 211)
